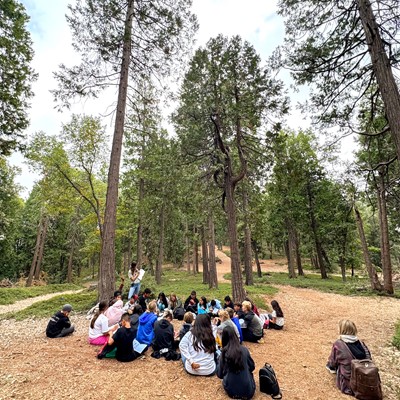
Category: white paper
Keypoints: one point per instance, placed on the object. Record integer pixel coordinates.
(138, 347)
(141, 274)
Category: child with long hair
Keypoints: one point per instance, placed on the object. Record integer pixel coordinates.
(162, 302)
(276, 320)
(99, 330)
(202, 306)
(236, 367)
(198, 348)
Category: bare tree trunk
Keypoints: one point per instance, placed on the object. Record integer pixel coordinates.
(291, 249)
(41, 248)
(255, 250)
(385, 244)
(213, 280)
(187, 248)
(204, 254)
(248, 267)
(298, 255)
(107, 260)
(70, 260)
(161, 247)
(314, 227)
(373, 277)
(139, 243)
(383, 72)
(195, 252)
(35, 254)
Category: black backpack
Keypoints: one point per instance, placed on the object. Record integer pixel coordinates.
(268, 382)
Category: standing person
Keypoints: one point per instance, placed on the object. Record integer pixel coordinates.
(99, 329)
(59, 324)
(345, 349)
(276, 320)
(143, 299)
(133, 275)
(236, 367)
(191, 302)
(123, 339)
(253, 331)
(198, 348)
(145, 333)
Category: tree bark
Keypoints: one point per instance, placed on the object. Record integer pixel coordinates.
(41, 248)
(213, 279)
(314, 227)
(248, 267)
(35, 254)
(298, 255)
(383, 71)
(291, 248)
(255, 250)
(385, 244)
(373, 277)
(187, 248)
(139, 243)
(195, 252)
(161, 247)
(204, 256)
(70, 260)
(107, 260)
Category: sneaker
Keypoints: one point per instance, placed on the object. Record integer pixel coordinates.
(261, 341)
(331, 370)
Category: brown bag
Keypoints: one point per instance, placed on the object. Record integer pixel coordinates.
(365, 381)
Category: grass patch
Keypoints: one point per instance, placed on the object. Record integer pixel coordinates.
(81, 302)
(357, 286)
(11, 295)
(181, 283)
(396, 337)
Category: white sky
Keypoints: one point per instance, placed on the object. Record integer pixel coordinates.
(255, 20)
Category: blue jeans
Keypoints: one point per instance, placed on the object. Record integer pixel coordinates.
(134, 289)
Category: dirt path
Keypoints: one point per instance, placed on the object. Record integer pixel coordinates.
(34, 367)
(21, 304)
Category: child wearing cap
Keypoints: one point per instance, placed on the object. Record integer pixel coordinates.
(59, 324)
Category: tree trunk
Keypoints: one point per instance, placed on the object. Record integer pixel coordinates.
(35, 254)
(161, 247)
(195, 252)
(255, 250)
(298, 255)
(70, 260)
(385, 244)
(187, 247)
(139, 243)
(373, 277)
(204, 254)
(107, 260)
(41, 248)
(383, 72)
(314, 227)
(213, 279)
(291, 248)
(248, 267)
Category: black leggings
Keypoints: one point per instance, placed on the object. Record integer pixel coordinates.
(249, 336)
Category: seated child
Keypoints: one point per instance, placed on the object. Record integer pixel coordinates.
(235, 320)
(187, 324)
(114, 313)
(202, 306)
(191, 302)
(162, 302)
(145, 333)
(276, 320)
(59, 324)
(228, 302)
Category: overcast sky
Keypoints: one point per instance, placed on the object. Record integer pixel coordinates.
(254, 20)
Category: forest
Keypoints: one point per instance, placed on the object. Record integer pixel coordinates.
(227, 169)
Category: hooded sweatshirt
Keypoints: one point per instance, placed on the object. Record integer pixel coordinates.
(114, 312)
(145, 333)
(163, 335)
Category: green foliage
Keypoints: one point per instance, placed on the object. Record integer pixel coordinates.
(16, 75)
(11, 295)
(396, 337)
(81, 302)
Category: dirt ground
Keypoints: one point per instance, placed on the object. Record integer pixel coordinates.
(34, 367)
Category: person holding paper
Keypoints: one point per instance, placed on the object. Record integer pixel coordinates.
(134, 279)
